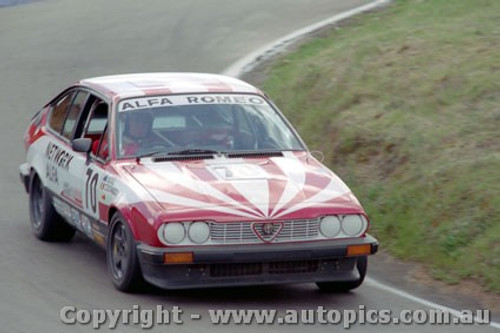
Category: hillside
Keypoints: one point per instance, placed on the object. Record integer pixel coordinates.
(405, 105)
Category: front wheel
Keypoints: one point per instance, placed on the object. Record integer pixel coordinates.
(121, 256)
(345, 286)
(46, 223)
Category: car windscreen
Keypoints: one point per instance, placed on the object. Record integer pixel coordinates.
(201, 122)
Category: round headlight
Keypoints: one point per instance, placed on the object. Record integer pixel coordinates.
(329, 226)
(353, 225)
(199, 232)
(174, 233)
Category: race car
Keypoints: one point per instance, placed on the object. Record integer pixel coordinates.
(190, 180)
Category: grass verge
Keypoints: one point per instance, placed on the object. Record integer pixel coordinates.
(405, 105)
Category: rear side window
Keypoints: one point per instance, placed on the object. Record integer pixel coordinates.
(59, 112)
(74, 112)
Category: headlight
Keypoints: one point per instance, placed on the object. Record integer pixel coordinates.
(330, 226)
(174, 233)
(353, 225)
(199, 232)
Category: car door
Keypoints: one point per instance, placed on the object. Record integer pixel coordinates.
(58, 155)
(73, 176)
(93, 175)
(63, 163)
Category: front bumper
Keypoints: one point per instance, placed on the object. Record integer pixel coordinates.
(254, 264)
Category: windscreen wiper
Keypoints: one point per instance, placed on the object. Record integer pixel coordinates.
(194, 151)
(183, 152)
(150, 154)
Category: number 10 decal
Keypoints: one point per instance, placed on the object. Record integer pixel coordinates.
(91, 190)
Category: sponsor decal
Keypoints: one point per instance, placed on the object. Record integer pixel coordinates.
(62, 208)
(72, 193)
(51, 173)
(108, 186)
(162, 101)
(58, 156)
(238, 171)
(109, 180)
(75, 218)
(86, 226)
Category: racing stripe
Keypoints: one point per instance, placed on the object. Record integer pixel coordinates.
(329, 193)
(186, 186)
(163, 196)
(294, 170)
(204, 174)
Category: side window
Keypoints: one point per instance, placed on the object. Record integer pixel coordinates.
(96, 129)
(74, 112)
(59, 112)
(98, 119)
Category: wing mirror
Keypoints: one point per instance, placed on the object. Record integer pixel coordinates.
(82, 145)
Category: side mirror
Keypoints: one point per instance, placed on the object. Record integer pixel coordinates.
(82, 145)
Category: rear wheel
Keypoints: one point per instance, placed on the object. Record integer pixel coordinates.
(46, 223)
(121, 256)
(345, 286)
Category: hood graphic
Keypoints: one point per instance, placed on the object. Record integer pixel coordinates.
(263, 188)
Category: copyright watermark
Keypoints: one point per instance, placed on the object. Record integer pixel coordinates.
(147, 318)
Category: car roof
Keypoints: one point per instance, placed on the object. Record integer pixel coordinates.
(146, 84)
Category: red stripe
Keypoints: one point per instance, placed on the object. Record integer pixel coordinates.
(157, 91)
(103, 212)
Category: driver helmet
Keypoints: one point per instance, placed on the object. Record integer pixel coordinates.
(138, 125)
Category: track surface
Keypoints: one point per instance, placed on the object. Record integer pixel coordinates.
(49, 44)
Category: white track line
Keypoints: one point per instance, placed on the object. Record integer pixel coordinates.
(247, 63)
(424, 302)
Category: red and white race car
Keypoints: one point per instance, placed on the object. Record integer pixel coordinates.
(190, 180)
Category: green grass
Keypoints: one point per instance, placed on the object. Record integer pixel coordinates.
(405, 105)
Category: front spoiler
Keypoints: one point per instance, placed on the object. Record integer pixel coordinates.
(254, 264)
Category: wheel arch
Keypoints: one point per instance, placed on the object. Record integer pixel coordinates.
(34, 171)
(126, 214)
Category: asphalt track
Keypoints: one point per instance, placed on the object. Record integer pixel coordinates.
(46, 45)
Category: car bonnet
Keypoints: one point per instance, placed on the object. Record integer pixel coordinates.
(255, 188)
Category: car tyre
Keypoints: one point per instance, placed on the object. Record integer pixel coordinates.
(121, 256)
(345, 286)
(46, 223)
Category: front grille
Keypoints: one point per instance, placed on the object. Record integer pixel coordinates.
(243, 232)
(291, 267)
(223, 270)
(299, 230)
(271, 268)
(232, 233)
